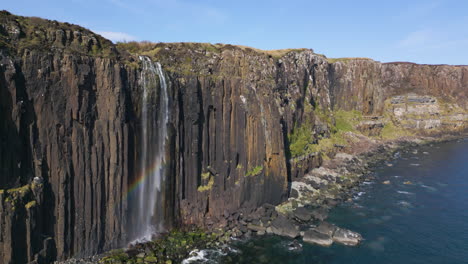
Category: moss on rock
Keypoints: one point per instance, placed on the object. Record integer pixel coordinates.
(170, 248)
(207, 187)
(254, 171)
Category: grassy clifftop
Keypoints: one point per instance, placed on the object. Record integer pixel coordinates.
(18, 33)
(151, 49)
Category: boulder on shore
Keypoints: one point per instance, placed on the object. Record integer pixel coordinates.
(346, 237)
(326, 228)
(282, 226)
(302, 214)
(314, 237)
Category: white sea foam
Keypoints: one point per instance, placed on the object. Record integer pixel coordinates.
(405, 203)
(429, 188)
(196, 255)
(209, 256)
(404, 192)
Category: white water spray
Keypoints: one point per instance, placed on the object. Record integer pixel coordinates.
(154, 119)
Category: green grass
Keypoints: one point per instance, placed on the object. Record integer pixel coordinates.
(301, 139)
(151, 48)
(347, 120)
(136, 47)
(391, 131)
(326, 145)
(35, 34)
(274, 53)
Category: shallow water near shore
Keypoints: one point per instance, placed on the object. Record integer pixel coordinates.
(420, 216)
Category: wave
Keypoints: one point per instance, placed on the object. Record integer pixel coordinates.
(404, 192)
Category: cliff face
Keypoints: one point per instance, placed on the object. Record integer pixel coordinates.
(63, 123)
(228, 141)
(243, 124)
(365, 84)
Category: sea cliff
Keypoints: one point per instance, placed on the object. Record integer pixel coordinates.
(244, 125)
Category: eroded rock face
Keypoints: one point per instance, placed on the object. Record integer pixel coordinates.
(366, 84)
(66, 124)
(426, 113)
(69, 115)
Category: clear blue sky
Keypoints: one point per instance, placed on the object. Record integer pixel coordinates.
(430, 31)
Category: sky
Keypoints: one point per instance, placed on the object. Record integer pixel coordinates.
(430, 31)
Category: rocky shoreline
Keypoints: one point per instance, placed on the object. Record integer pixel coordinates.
(302, 216)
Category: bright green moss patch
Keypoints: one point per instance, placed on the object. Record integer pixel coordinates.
(300, 139)
(205, 175)
(324, 115)
(19, 197)
(254, 171)
(207, 187)
(31, 204)
(20, 190)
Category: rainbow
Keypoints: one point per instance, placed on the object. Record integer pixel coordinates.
(143, 175)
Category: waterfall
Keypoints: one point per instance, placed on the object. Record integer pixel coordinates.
(148, 200)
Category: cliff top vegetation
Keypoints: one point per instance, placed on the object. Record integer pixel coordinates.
(19, 33)
(151, 48)
(347, 59)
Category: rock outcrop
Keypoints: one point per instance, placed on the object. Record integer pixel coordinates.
(244, 125)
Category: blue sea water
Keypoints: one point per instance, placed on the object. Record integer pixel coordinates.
(421, 217)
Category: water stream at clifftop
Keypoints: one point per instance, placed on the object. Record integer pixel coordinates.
(418, 216)
(147, 201)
